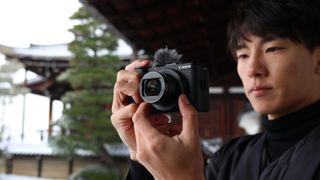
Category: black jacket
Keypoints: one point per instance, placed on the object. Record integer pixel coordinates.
(245, 158)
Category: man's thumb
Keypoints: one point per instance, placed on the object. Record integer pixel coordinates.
(189, 117)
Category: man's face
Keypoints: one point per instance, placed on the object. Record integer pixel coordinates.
(278, 75)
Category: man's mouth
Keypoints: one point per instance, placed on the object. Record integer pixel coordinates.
(258, 91)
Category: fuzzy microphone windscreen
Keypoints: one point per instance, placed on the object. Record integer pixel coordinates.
(165, 56)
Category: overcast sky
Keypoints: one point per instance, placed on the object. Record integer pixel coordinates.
(36, 21)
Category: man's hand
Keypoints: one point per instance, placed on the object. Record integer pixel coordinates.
(169, 158)
(126, 87)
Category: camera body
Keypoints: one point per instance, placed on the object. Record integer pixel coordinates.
(161, 86)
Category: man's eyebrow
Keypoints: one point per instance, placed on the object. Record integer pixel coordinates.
(268, 39)
(241, 45)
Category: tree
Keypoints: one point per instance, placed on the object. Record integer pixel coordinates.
(85, 124)
(8, 89)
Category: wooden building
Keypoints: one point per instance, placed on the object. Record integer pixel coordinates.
(38, 160)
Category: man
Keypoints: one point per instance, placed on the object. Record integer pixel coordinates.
(277, 47)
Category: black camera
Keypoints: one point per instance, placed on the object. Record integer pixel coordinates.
(162, 85)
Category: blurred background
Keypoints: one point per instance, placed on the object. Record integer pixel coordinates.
(58, 63)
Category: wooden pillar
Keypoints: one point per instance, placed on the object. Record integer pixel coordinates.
(71, 163)
(24, 106)
(50, 116)
(9, 165)
(39, 166)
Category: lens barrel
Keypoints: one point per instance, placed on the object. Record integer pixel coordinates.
(161, 89)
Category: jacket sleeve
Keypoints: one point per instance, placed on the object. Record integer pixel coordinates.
(138, 172)
(212, 168)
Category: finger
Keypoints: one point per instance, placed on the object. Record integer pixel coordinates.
(120, 99)
(123, 89)
(137, 64)
(141, 121)
(127, 85)
(189, 117)
(123, 114)
(129, 79)
(129, 76)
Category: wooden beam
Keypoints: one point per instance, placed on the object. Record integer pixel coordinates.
(39, 165)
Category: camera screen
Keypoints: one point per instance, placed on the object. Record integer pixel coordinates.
(152, 87)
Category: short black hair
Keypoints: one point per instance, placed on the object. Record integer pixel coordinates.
(297, 20)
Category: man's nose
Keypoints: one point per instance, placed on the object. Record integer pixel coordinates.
(256, 66)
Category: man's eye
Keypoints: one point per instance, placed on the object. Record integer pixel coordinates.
(274, 49)
(242, 56)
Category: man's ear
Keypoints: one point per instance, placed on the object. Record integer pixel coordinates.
(317, 56)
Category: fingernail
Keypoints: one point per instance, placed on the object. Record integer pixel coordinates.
(185, 99)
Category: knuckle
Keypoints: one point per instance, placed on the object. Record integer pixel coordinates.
(126, 78)
(129, 66)
(132, 108)
(192, 114)
(136, 79)
(156, 146)
(116, 104)
(116, 86)
(120, 73)
(113, 108)
(135, 117)
(114, 120)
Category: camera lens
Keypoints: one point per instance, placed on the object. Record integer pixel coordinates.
(161, 89)
(152, 87)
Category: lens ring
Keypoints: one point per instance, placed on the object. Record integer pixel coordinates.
(180, 85)
(147, 92)
(164, 100)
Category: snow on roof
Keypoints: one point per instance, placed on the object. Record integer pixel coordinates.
(47, 52)
(43, 52)
(29, 149)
